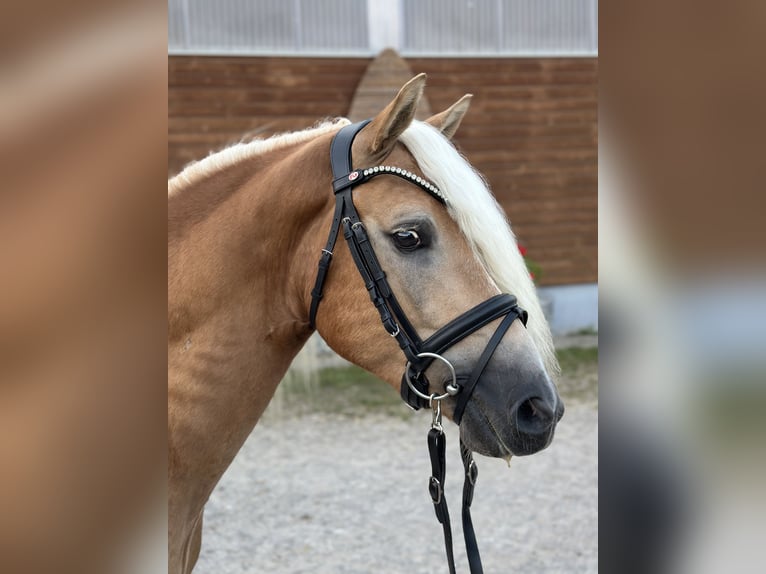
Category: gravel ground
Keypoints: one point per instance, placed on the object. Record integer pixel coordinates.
(330, 494)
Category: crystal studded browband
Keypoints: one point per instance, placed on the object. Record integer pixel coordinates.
(370, 172)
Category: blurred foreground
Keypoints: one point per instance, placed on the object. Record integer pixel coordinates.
(682, 288)
(83, 291)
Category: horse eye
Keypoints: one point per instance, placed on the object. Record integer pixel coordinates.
(406, 240)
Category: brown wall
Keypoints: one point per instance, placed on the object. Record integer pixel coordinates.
(531, 131)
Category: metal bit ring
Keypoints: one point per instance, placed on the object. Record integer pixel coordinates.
(452, 388)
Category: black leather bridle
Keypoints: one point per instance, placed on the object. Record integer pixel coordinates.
(419, 353)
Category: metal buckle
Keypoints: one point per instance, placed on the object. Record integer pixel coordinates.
(435, 490)
(472, 473)
(436, 411)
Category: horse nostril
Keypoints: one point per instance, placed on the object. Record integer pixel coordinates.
(534, 416)
(559, 410)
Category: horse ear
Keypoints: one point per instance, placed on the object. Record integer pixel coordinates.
(396, 117)
(448, 121)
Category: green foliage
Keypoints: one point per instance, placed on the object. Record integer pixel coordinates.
(347, 390)
(575, 359)
(578, 382)
(585, 331)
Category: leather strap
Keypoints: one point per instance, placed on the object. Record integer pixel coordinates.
(469, 322)
(437, 451)
(340, 155)
(466, 391)
(325, 260)
(379, 290)
(340, 148)
(469, 482)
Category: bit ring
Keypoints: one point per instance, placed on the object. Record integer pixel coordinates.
(452, 388)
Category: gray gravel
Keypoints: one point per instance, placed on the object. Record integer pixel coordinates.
(329, 494)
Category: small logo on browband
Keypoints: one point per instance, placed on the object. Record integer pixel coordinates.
(353, 175)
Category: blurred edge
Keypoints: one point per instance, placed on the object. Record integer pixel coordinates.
(83, 124)
(681, 282)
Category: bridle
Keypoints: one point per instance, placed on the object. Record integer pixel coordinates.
(419, 353)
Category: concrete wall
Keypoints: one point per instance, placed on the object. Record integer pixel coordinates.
(571, 307)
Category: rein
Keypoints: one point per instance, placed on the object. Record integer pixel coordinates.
(419, 353)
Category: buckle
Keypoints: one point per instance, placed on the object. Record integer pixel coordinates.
(472, 472)
(435, 490)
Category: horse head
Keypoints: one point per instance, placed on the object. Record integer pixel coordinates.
(441, 260)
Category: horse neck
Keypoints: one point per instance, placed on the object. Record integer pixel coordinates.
(242, 251)
(248, 227)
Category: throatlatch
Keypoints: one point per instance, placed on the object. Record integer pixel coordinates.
(419, 353)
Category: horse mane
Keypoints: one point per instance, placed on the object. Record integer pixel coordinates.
(484, 224)
(234, 154)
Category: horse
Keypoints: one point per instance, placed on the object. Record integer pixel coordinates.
(246, 226)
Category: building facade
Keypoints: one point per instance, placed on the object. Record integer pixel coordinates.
(254, 68)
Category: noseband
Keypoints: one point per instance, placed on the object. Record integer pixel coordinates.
(419, 353)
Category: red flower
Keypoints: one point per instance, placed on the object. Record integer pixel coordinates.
(532, 275)
(522, 250)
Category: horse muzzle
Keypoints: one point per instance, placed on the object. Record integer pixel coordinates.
(511, 418)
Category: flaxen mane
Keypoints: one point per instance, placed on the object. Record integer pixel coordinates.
(241, 151)
(483, 223)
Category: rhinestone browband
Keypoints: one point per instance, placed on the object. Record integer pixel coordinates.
(424, 184)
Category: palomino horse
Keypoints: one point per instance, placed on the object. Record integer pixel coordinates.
(246, 227)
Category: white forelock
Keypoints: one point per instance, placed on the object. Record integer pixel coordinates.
(484, 224)
(241, 151)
